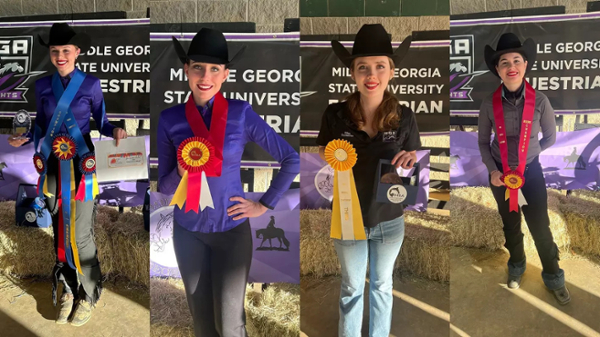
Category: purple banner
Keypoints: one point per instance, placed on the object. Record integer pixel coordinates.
(275, 236)
(573, 162)
(16, 167)
(316, 182)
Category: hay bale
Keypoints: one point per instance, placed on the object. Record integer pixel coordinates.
(309, 149)
(436, 141)
(426, 247)
(475, 221)
(275, 312)
(317, 253)
(24, 251)
(582, 212)
(122, 243)
(129, 247)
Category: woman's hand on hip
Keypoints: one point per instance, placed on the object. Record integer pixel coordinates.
(245, 209)
(119, 134)
(495, 178)
(404, 159)
(17, 142)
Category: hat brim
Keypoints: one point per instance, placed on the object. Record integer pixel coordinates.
(344, 55)
(80, 40)
(527, 49)
(183, 57)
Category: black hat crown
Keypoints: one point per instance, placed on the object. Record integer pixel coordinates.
(510, 43)
(209, 46)
(61, 34)
(371, 40)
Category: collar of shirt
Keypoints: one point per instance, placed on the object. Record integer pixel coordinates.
(65, 80)
(520, 93)
(206, 112)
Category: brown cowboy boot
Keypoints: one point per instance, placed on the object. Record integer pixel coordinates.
(66, 305)
(82, 314)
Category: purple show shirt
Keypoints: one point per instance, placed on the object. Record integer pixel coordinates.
(243, 126)
(86, 103)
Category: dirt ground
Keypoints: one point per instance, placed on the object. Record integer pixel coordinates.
(26, 309)
(420, 307)
(479, 294)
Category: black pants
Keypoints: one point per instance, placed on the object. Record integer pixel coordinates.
(536, 216)
(88, 285)
(214, 268)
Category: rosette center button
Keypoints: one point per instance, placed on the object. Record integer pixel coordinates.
(340, 154)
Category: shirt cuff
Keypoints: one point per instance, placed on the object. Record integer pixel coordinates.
(270, 198)
(266, 205)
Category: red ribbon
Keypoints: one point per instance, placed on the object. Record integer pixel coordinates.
(528, 111)
(216, 135)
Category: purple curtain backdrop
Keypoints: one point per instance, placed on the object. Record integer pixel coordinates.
(573, 162)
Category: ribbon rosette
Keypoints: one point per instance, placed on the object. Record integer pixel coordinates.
(346, 216)
(39, 162)
(514, 180)
(63, 146)
(196, 155)
(88, 186)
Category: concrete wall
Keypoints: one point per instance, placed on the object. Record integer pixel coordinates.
(399, 27)
(134, 8)
(478, 6)
(268, 15)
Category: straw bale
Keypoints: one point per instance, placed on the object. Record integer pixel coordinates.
(309, 149)
(317, 253)
(475, 221)
(121, 241)
(436, 141)
(582, 211)
(275, 312)
(426, 247)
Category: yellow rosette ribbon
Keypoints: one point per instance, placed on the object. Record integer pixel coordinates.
(346, 216)
(514, 180)
(196, 156)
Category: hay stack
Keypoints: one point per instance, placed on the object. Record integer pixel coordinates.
(475, 221)
(582, 211)
(426, 247)
(24, 251)
(424, 252)
(121, 240)
(275, 312)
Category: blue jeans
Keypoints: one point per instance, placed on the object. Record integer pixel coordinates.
(379, 251)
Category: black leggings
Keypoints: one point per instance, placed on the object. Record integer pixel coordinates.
(536, 216)
(214, 268)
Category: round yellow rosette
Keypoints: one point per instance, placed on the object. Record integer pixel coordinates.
(346, 215)
(513, 180)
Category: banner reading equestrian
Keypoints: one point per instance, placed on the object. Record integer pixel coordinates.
(567, 67)
(275, 235)
(267, 77)
(421, 83)
(573, 162)
(119, 56)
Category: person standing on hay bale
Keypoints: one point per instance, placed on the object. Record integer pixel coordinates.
(517, 113)
(378, 128)
(200, 145)
(65, 101)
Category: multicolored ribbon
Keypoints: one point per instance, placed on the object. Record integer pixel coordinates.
(346, 215)
(195, 155)
(514, 179)
(193, 150)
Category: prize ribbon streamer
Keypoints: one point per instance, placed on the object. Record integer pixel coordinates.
(346, 216)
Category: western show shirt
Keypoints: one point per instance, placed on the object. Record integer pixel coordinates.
(385, 145)
(512, 104)
(243, 126)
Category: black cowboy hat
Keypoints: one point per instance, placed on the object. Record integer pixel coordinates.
(371, 40)
(510, 43)
(209, 46)
(61, 34)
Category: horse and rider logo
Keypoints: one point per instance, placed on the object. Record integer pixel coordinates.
(15, 68)
(270, 233)
(462, 69)
(576, 160)
(2, 167)
(324, 182)
(165, 223)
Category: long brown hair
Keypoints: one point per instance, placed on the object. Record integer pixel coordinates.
(386, 115)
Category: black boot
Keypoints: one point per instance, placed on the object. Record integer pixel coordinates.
(562, 295)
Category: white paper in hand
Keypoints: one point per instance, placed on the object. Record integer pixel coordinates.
(128, 161)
